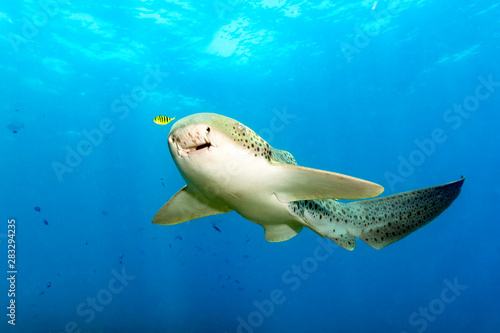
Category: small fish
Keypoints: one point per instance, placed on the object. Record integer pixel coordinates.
(49, 284)
(216, 228)
(45, 222)
(37, 209)
(162, 120)
(43, 292)
(178, 237)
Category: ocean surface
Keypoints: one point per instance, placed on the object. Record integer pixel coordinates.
(402, 93)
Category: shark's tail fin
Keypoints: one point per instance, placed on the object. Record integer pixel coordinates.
(389, 219)
(382, 221)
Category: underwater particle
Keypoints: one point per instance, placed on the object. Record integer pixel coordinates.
(40, 294)
(240, 288)
(49, 284)
(237, 281)
(169, 245)
(45, 222)
(216, 228)
(87, 243)
(37, 209)
(15, 126)
(104, 212)
(162, 120)
(178, 237)
(246, 256)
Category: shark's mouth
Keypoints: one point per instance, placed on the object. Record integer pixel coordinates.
(185, 151)
(205, 145)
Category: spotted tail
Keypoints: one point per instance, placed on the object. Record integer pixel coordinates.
(379, 222)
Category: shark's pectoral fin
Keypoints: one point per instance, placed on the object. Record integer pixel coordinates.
(281, 232)
(185, 206)
(294, 183)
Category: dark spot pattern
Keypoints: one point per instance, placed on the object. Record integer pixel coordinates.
(379, 222)
(251, 141)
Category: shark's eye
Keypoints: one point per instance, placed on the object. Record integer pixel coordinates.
(208, 129)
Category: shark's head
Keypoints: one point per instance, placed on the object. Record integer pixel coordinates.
(202, 144)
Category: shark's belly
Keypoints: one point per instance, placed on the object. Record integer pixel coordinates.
(264, 209)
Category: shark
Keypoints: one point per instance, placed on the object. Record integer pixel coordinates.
(229, 167)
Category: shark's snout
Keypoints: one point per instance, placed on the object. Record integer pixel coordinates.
(190, 138)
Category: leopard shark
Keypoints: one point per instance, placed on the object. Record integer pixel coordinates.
(228, 167)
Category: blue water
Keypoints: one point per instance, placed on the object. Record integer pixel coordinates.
(405, 94)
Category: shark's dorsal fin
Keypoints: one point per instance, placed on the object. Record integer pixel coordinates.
(185, 206)
(294, 183)
(282, 156)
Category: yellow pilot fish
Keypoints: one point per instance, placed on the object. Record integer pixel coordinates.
(162, 120)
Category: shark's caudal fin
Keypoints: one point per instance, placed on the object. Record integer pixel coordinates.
(379, 222)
